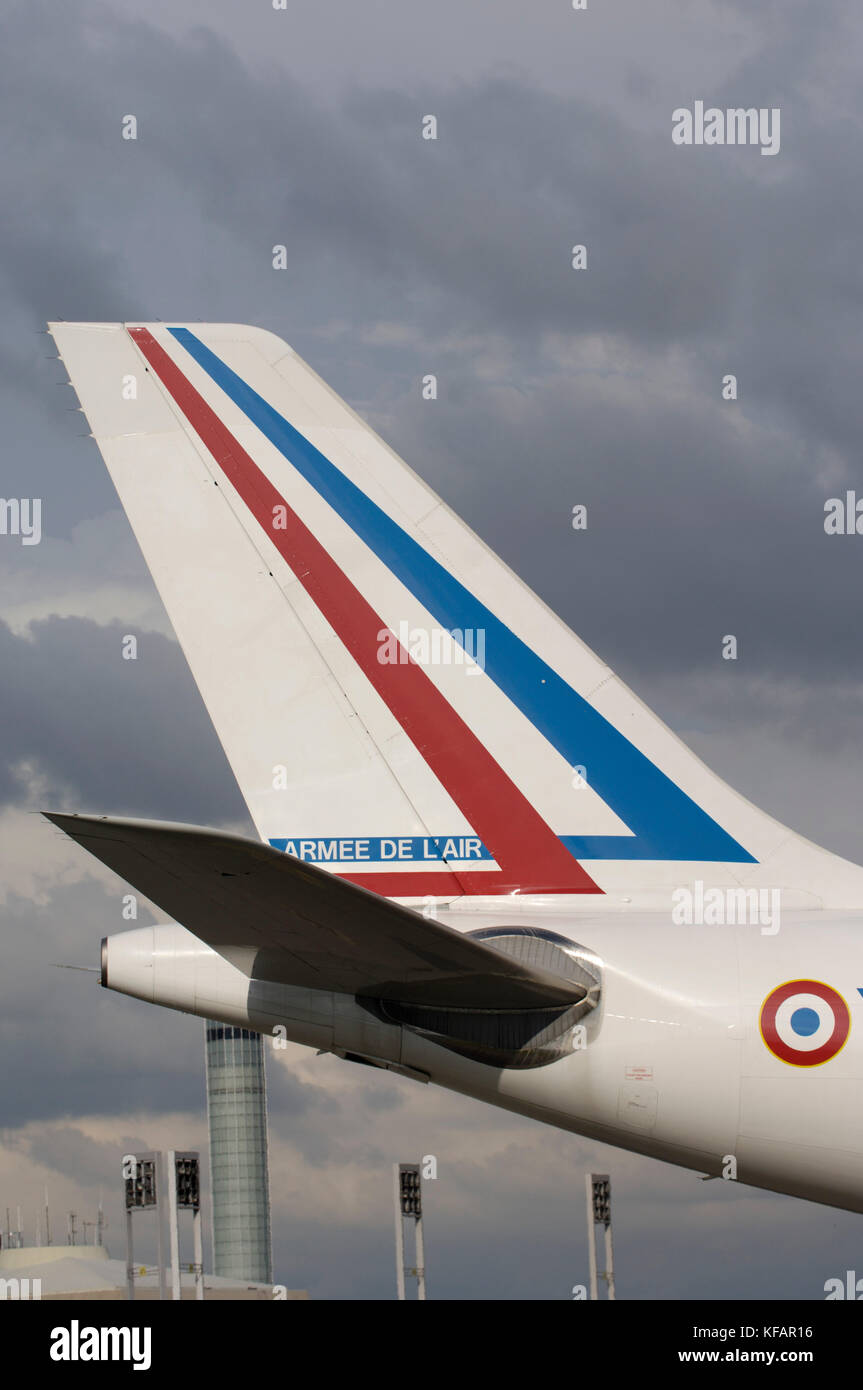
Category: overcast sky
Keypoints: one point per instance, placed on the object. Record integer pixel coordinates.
(603, 387)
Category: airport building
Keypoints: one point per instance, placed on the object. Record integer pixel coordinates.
(87, 1273)
(239, 1177)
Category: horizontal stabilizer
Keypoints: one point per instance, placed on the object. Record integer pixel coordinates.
(301, 926)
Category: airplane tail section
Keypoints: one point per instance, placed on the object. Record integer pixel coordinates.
(397, 707)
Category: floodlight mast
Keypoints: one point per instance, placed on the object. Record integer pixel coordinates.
(598, 1190)
(184, 1189)
(142, 1189)
(407, 1203)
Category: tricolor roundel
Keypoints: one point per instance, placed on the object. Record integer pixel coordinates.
(804, 1022)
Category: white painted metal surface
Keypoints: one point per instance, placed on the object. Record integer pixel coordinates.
(728, 1040)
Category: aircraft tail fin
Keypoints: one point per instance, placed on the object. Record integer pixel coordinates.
(396, 705)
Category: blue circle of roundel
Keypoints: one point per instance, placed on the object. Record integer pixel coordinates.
(805, 1022)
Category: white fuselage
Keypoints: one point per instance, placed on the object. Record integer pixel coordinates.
(676, 1069)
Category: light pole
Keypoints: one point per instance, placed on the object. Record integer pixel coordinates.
(142, 1194)
(184, 1194)
(407, 1201)
(598, 1188)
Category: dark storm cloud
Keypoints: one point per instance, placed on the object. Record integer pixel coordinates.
(106, 734)
(77, 1048)
(723, 533)
(83, 1050)
(556, 387)
(719, 256)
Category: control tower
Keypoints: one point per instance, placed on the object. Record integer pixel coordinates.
(239, 1177)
